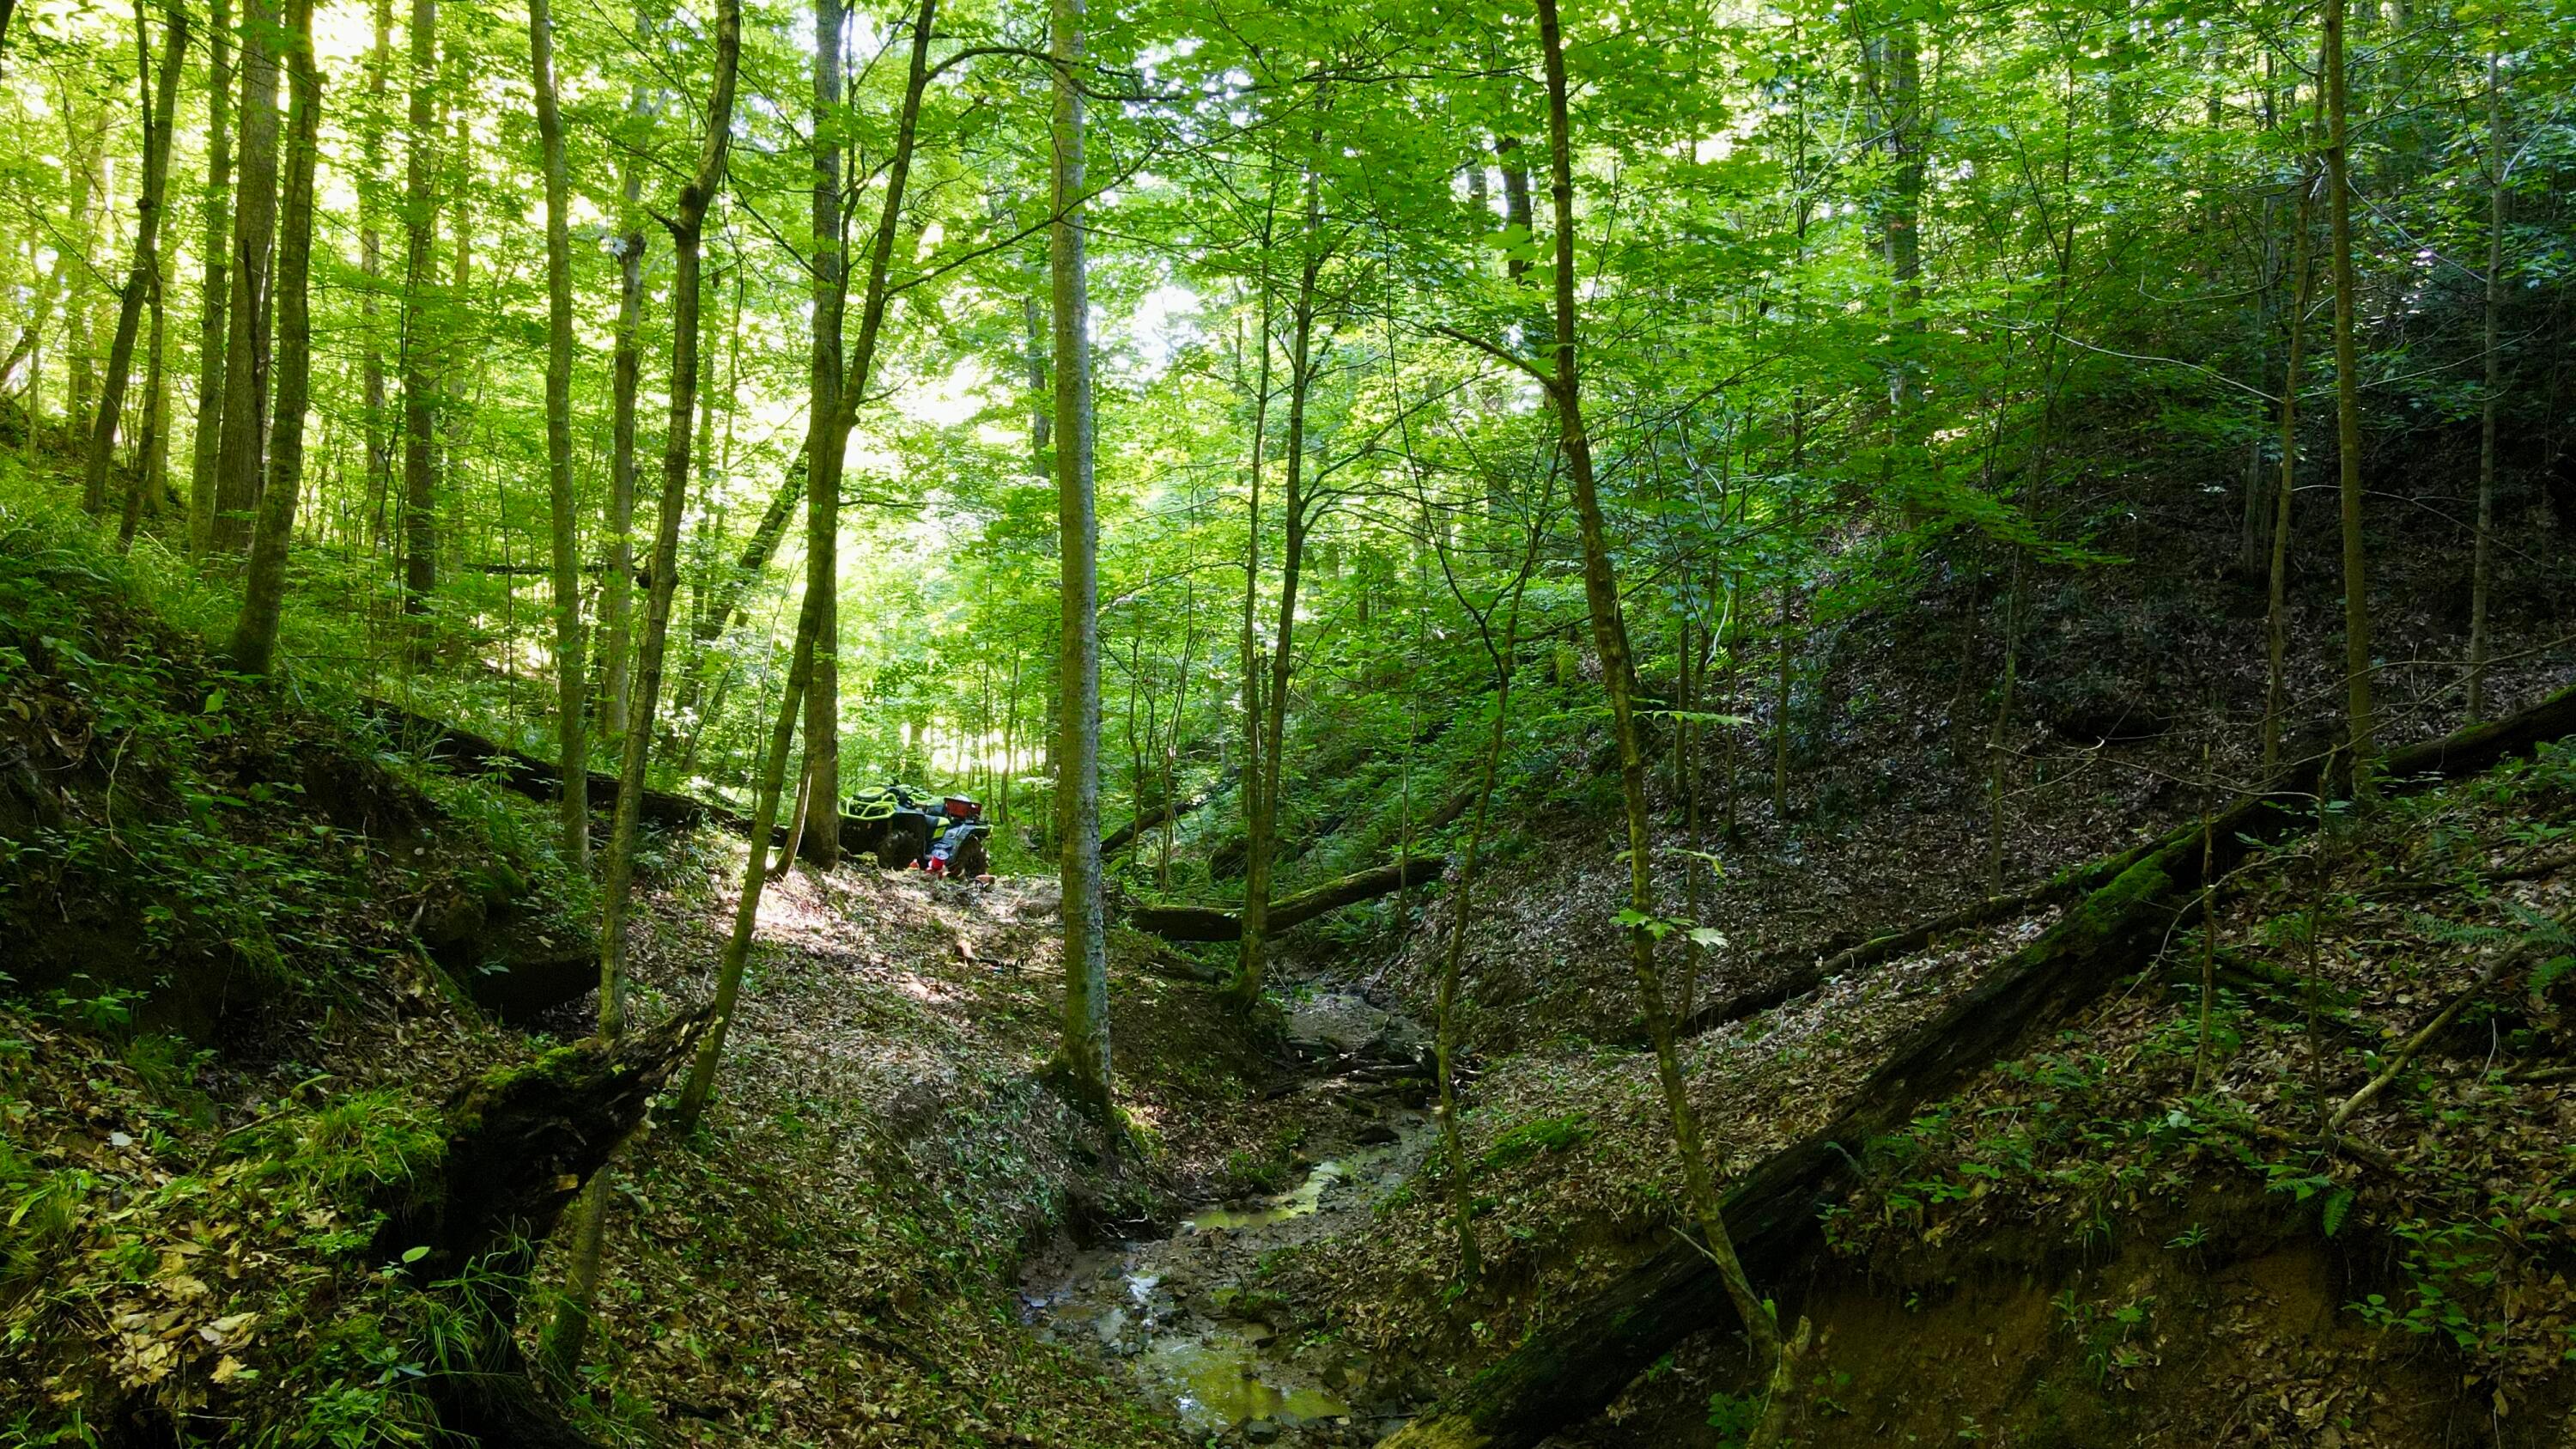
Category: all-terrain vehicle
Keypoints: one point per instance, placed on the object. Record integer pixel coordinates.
(906, 826)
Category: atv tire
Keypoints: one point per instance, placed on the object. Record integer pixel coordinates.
(971, 859)
(899, 843)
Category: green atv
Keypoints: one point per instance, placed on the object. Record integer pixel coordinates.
(907, 826)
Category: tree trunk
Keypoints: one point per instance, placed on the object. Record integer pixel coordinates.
(570, 691)
(1520, 227)
(2277, 616)
(264, 592)
(1903, 232)
(84, 147)
(1610, 637)
(1787, 643)
(2250, 543)
(1172, 738)
(826, 434)
(616, 644)
(420, 522)
(1082, 1057)
(825, 454)
(2356, 605)
(212, 320)
(161, 102)
(151, 468)
(687, 225)
(1996, 751)
(1263, 830)
(461, 372)
(246, 350)
(1208, 923)
(1445, 1024)
(1034, 355)
(799, 816)
(520, 1143)
(441, 743)
(371, 263)
(2482, 568)
(828, 439)
(1254, 827)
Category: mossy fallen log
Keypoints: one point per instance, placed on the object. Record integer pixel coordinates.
(1208, 923)
(1570, 1366)
(1155, 817)
(1799, 980)
(520, 1143)
(468, 753)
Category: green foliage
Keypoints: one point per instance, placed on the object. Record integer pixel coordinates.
(1525, 1140)
(1734, 1416)
(2545, 936)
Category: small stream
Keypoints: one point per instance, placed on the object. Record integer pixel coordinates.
(1186, 1317)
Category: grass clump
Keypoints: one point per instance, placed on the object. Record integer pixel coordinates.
(1538, 1135)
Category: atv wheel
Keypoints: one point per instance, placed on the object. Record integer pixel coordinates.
(971, 859)
(897, 847)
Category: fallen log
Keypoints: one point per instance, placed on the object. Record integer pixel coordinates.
(1155, 817)
(1799, 980)
(520, 1143)
(1208, 923)
(465, 752)
(1570, 1367)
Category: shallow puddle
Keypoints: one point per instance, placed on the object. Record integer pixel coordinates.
(1297, 1202)
(1174, 1313)
(1216, 1380)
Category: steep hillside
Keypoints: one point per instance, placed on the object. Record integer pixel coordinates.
(2131, 1232)
(247, 939)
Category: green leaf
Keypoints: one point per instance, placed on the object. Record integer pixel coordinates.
(2338, 1203)
(414, 1255)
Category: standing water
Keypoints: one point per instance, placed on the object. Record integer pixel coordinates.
(1188, 1321)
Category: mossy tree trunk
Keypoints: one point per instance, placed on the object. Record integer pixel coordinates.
(246, 350)
(827, 262)
(571, 691)
(1082, 1053)
(254, 642)
(160, 107)
(520, 1143)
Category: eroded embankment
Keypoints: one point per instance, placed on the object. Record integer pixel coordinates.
(2447, 1198)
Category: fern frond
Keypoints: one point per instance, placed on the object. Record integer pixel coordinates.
(2460, 933)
